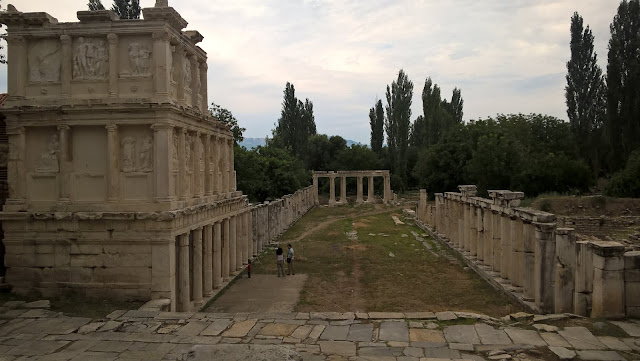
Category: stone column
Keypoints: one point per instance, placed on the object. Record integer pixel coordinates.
(195, 81)
(198, 172)
(332, 190)
(183, 181)
(162, 66)
(164, 258)
(232, 177)
(608, 280)
(204, 106)
(65, 165)
(66, 70)
(387, 189)
(565, 269)
(224, 168)
(240, 242)
(315, 189)
(207, 263)
(505, 240)
(113, 64)
(233, 245)
(516, 267)
(208, 184)
(359, 198)
(582, 299)
(226, 243)
(185, 285)
(487, 236)
(496, 230)
(178, 60)
(113, 171)
(479, 238)
(252, 239)
(163, 161)
(529, 243)
(17, 60)
(215, 168)
(343, 190)
(16, 178)
(217, 255)
(370, 193)
(197, 266)
(544, 265)
(632, 283)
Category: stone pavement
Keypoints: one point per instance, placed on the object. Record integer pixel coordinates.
(39, 334)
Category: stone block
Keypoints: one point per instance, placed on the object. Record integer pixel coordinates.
(632, 294)
(632, 260)
(609, 263)
(123, 275)
(86, 249)
(86, 260)
(81, 275)
(608, 294)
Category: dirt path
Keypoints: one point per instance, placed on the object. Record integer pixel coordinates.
(333, 219)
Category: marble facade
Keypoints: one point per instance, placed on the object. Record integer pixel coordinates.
(121, 184)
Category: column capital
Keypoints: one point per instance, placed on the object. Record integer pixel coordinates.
(111, 127)
(184, 131)
(161, 36)
(15, 131)
(160, 126)
(15, 39)
(112, 38)
(63, 127)
(65, 39)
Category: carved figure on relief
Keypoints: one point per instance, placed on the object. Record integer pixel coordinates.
(188, 151)
(175, 152)
(90, 59)
(128, 154)
(48, 162)
(44, 61)
(187, 72)
(146, 164)
(139, 59)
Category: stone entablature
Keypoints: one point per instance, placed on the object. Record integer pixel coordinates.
(359, 174)
(103, 59)
(544, 266)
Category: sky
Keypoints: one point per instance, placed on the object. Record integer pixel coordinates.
(507, 56)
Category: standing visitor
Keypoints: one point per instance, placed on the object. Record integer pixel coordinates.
(280, 261)
(290, 260)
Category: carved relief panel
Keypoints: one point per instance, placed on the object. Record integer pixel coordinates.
(44, 60)
(90, 58)
(139, 59)
(136, 153)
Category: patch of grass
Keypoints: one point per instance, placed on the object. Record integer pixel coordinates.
(72, 303)
(359, 275)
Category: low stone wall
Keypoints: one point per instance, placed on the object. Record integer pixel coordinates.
(272, 219)
(547, 268)
(598, 226)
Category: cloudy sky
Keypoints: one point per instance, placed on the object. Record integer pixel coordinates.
(507, 56)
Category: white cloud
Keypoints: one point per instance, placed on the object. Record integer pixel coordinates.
(506, 56)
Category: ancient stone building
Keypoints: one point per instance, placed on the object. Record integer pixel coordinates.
(120, 182)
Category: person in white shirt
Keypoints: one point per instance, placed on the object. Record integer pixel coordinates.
(290, 259)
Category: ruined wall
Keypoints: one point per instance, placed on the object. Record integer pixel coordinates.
(598, 226)
(523, 251)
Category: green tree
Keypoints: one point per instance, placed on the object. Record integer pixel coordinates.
(225, 116)
(95, 5)
(399, 97)
(376, 121)
(438, 114)
(623, 77)
(626, 183)
(127, 9)
(456, 105)
(356, 157)
(296, 122)
(585, 93)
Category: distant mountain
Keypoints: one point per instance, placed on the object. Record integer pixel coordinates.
(251, 143)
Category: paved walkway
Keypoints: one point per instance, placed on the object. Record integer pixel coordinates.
(261, 293)
(39, 334)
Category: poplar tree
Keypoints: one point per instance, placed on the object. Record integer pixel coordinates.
(585, 92)
(127, 9)
(623, 77)
(95, 5)
(296, 123)
(376, 121)
(399, 97)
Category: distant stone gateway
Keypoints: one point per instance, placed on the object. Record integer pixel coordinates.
(121, 184)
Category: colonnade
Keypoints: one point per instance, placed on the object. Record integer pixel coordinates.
(547, 268)
(209, 255)
(360, 175)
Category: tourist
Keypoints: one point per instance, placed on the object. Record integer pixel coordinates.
(249, 269)
(280, 261)
(290, 260)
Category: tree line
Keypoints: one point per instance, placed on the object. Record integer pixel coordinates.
(437, 150)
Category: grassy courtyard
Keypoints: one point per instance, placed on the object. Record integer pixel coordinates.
(357, 259)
